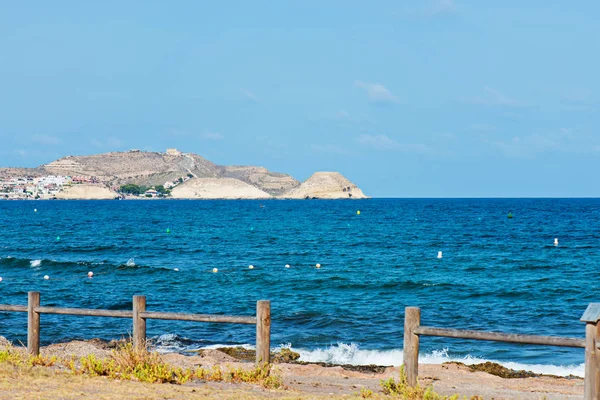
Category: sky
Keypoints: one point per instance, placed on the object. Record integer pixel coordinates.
(432, 98)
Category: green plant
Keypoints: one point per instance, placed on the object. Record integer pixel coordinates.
(403, 390)
(261, 375)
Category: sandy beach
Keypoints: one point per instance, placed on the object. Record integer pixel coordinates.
(300, 380)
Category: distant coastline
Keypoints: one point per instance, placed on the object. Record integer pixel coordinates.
(169, 175)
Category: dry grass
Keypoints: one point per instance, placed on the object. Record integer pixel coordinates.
(402, 390)
(128, 363)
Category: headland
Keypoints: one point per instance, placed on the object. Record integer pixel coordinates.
(136, 174)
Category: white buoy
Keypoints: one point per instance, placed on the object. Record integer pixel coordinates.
(35, 210)
(439, 254)
(215, 270)
(90, 274)
(318, 266)
(0, 279)
(287, 265)
(46, 277)
(556, 241)
(250, 266)
(176, 269)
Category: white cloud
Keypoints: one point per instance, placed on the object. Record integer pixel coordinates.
(45, 139)
(342, 114)
(250, 96)
(495, 98)
(377, 92)
(212, 136)
(383, 142)
(444, 7)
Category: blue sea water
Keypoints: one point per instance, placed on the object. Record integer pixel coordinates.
(496, 273)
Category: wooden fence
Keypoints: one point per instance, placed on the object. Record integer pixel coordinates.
(413, 330)
(139, 315)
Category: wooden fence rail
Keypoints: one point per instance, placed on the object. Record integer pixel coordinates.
(139, 315)
(413, 330)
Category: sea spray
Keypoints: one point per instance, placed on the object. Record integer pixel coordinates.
(352, 354)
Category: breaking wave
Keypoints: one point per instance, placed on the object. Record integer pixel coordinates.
(352, 354)
(343, 353)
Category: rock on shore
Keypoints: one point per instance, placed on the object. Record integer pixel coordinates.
(217, 188)
(325, 185)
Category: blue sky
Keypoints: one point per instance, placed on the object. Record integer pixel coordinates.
(440, 98)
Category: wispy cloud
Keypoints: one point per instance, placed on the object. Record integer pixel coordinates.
(45, 139)
(376, 92)
(526, 146)
(563, 140)
(212, 136)
(342, 114)
(495, 98)
(482, 128)
(250, 96)
(383, 142)
(109, 142)
(443, 7)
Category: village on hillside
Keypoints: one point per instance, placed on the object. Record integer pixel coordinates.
(48, 187)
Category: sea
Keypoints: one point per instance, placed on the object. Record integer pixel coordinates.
(376, 257)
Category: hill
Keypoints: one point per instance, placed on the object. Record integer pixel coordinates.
(325, 185)
(189, 175)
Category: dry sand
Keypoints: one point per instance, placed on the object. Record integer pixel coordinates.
(325, 185)
(217, 188)
(303, 381)
(86, 192)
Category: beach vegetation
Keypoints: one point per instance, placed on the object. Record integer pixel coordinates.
(261, 375)
(128, 363)
(402, 390)
(133, 189)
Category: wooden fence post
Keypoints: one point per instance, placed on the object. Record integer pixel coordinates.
(412, 320)
(139, 323)
(263, 332)
(592, 354)
(33, 323)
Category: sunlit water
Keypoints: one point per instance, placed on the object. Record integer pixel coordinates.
(496, 273)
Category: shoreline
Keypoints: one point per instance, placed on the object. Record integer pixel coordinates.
(319, 380)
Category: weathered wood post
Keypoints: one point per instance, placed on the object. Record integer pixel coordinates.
(591, 316)
(263, 332)
(412, 320)
(139, 323)
(33, 323)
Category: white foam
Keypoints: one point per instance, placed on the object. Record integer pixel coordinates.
(343, 353)
(35, 263)
(169, 343)
(352, 354)
(130, 262)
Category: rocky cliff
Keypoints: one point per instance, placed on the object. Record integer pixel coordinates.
(325, 185)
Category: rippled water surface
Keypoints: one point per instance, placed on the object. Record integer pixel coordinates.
(496, 273)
